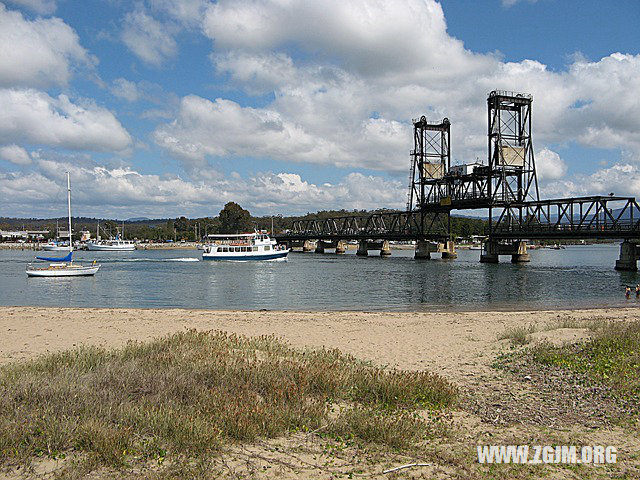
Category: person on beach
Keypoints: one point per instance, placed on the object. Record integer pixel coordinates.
(627, 291)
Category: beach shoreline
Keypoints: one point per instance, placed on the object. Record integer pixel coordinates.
(496, 406)
(453, 343)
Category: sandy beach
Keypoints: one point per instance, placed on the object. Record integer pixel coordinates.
(460, 346)
(453, 344)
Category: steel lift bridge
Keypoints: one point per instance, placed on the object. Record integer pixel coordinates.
(506, 186)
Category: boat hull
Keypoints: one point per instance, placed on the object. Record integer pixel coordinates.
(63, 272)
(110, 248)
(246, 258)
(55, 248)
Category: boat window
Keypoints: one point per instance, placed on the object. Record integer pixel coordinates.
(237, 249)
(267, 247)
(255, 249)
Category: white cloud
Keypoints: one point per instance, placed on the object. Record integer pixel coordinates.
(549, 165)
(122, 192)
(348, 94)
(43, 7)
(511, 3)
(187, 12)
(29, 116)
(15, 154)
(149, 39)
(622, 179)
(123, 88)
(37, 53)
(224, 128)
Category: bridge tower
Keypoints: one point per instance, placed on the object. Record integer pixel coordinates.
(512, 169)
(430, 161)
(430, 164)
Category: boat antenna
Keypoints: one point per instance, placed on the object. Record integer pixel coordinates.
(69, 208)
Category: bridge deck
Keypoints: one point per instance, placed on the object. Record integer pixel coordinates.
(567, 218)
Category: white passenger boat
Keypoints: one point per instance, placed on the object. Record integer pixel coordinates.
(244, 247)
(112, 245)
(62, 267)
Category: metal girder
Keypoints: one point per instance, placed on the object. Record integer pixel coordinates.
(381, 226)
(581, 217)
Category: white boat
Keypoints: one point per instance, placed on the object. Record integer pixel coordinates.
(55, 247)
(112, 245)
(62, 267)
(244, 247)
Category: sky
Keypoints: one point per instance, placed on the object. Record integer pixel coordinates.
(163, 108)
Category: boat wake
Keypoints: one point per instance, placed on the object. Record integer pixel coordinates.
(181, 259)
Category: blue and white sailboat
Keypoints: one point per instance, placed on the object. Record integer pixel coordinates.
(62, 266)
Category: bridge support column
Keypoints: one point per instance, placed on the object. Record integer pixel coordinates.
(520, 255)
(385, 251)
(423, 249)
(341, 247)
(489, 252)
(628, 257)
(307, 246)
(319, 246)
(362, 249)
(449, 250)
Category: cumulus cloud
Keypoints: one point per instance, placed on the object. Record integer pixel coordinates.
(42, 7)
(15, 154)
(149, 39)
(549, 165)
(30, 116)
(122, 192)
(37, 53)
(347, 77)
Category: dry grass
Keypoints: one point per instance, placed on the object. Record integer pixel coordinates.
(188, 395)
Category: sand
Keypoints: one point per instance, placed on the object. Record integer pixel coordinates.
(461, 346)
(453, 344)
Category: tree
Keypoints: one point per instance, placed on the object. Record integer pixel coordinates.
(234, 219)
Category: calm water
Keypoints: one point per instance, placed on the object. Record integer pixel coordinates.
(581, 276)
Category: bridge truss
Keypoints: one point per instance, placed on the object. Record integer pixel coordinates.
(506, 185)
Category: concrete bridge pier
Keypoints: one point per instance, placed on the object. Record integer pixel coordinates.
(521, 255)
(489, 252)
(308, 246)
(385, 250)
(341, 247)
(629, 254)
(423, 250)
(449, 250)
(362, 249)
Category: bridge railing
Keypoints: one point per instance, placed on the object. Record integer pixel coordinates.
(609, 217)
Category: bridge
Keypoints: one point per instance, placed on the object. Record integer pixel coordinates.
(506, 186)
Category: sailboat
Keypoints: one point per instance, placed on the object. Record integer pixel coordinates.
(64, 266)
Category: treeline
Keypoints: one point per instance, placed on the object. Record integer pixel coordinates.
(231, 219)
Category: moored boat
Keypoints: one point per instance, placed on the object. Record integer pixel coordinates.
(244, 247)
(111, 245)
(64, 266)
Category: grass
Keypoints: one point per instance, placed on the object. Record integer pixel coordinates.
(611, 357)
(521, 335)
(188, 395)
(518, 335)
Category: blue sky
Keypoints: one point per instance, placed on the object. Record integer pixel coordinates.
(162, 108)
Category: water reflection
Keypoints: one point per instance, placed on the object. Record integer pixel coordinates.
(572, 278)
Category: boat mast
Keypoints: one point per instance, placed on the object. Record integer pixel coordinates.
(69, 208)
